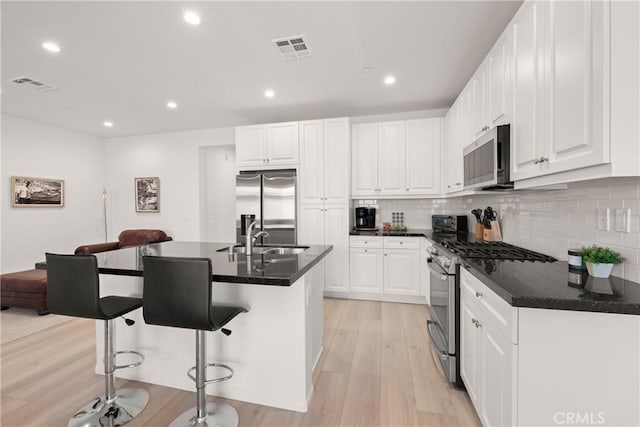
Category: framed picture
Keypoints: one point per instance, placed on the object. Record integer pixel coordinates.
(147, 194)
(37, 192)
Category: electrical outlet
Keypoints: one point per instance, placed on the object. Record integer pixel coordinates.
(623, 220)
(603, 219)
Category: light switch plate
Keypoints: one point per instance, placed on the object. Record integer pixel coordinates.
(603, 219)
(623, 220)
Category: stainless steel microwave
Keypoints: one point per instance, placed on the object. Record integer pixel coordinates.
(486, 161)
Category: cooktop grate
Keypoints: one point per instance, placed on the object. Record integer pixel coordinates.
(494, 250)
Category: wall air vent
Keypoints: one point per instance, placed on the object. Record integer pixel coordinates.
(294, 47)
(33, 83)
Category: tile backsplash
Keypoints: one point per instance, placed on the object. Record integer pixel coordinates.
(546, 221)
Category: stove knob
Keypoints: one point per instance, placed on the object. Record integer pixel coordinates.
(433, 251)
(446, 263)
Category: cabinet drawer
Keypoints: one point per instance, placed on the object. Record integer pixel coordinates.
(401, 243)
(503, 316)
(365, 242)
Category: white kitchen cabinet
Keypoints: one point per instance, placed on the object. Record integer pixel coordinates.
(487, 325)
(471, 347)
(397, 267)
(364, 159)
(480, 101)
(324, 194)
(328, 225)
(251, 146)
(324, 161)
(391, 158)
(452, 157)
(529, 367)
(267, 146)
(560, 80)
(366, 268)
(401, 271)
(498, 64)
(422, 161)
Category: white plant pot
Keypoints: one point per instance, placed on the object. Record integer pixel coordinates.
(599, 270)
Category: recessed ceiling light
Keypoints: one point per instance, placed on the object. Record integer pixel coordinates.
(108, 124)
(172, 105)
(389, 80)
(192, 17)
(51, 47)
(269, 93)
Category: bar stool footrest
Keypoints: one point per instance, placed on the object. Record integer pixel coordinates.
(132, 365)
(214, 380)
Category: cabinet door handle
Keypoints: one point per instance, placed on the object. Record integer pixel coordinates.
(401, 242)
(536, 161)
(407, 189)
(476, 323)
(458, 183)
(478, 294)
(366, 250)
(385, 254)
(544, 159)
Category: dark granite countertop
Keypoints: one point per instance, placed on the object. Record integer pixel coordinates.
(549, 285)
(411, 232)
(553, 286)
(265, 269)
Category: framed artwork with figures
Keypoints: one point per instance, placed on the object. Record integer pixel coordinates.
(147, 190)
(31, 192)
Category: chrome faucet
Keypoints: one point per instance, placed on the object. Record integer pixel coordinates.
(250, 240)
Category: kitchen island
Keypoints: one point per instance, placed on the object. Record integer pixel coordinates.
(273, 348)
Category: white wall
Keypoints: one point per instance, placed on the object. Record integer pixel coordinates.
(176, 159)
(34, 149)
(219, 222)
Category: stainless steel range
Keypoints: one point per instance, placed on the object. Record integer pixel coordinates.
(443, 261)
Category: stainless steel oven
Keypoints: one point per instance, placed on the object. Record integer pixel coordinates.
(442, 325)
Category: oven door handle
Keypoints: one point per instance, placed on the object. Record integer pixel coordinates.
(443, 354)
(434, 271)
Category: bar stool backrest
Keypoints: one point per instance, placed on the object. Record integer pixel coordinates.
(177, 292)
(73, 286)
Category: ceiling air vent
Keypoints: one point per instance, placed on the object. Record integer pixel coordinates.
(294, 47)
(36, 84)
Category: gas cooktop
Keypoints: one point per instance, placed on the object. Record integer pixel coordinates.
(494, 250)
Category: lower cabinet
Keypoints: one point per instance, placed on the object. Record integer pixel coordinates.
(542, 367)
(486, 359)
(328, 224)
(385, 266)
(366, 270)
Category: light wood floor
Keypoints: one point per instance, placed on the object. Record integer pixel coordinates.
(377, 369)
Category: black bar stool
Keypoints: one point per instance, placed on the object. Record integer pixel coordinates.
(73, 289)
(177, 292)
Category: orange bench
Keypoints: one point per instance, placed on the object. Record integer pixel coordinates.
(25, 289)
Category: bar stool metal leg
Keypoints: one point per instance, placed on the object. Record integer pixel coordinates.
(115, 407)
(206, 414)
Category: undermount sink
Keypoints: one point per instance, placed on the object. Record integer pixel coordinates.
(266, 250)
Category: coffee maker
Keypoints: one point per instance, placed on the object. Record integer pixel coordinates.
(365, 218)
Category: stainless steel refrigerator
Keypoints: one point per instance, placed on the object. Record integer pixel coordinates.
(271, 197)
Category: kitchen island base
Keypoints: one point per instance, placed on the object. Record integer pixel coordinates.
(272, 350)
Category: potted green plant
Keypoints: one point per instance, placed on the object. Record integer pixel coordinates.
(600, 260)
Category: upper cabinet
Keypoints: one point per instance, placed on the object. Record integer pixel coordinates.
(324, 161)
(396, 158)
(422, 164)
(560, 83)
(454, 141)
(267, 146)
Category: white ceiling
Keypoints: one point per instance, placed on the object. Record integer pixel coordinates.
(122, 61)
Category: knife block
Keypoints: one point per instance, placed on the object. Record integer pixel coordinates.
(479, 231)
